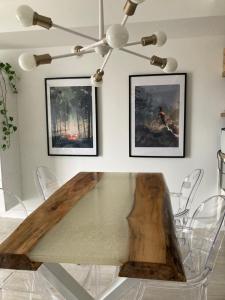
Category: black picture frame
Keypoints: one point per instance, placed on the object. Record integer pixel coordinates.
(147, 137)
(70, 139)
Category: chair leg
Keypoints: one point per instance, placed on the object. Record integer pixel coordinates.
(4, 281)
(88, 277)
(97, 274)
(41, 286)
(115, 274)
(140, 291)
(92, 281)
(204, 291)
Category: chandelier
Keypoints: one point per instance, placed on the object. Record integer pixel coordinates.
(116, 37)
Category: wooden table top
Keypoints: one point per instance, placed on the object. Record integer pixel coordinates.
(121, 219)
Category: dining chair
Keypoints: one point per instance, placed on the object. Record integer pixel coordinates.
(21, 284)
(87, 276)
(46, 181)
(200, 242)
(183, 200)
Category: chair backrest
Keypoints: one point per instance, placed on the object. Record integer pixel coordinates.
(205, 239)
(46, 181)
(189, 188)
(17, 214)
(20, 206)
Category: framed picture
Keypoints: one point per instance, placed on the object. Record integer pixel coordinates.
(157, 115)
(71, 116)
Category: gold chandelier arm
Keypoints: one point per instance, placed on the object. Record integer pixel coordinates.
(135, 53)
(74, 32)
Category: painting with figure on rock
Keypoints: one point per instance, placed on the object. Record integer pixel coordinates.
(71, 117)
(157, 115)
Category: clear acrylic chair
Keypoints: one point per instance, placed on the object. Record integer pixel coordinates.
(200, 243)
(87, 276)
(21, 284)
(183, 200)
(46, 181)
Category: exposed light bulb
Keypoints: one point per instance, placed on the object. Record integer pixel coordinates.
(27, 62)
(137, 1)
(171, 65)
(28, 17)
(117, 36)
(25, 15)
(161, 38)
(96, 83)
(158, 39)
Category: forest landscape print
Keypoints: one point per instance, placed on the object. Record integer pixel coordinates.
(158, 118)
(71, 119)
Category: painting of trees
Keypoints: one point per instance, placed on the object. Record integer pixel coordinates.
(71, 116)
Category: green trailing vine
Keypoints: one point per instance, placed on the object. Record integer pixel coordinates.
(7, 77)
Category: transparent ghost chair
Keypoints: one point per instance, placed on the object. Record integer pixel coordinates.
(21, 284)
(46, 182)
(200, 242)
(182, 201)
(87, 276)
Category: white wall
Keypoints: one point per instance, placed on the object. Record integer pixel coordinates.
(10, 158)
(201, 58)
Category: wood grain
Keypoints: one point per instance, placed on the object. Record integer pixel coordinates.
(154, 251)
(14, 250)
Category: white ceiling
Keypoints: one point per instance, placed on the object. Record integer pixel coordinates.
(182, 28)
(82, 13)
(178, 18)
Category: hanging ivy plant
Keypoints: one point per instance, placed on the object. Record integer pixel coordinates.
(7, 78)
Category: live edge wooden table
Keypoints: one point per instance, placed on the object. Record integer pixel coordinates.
(119, 219)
